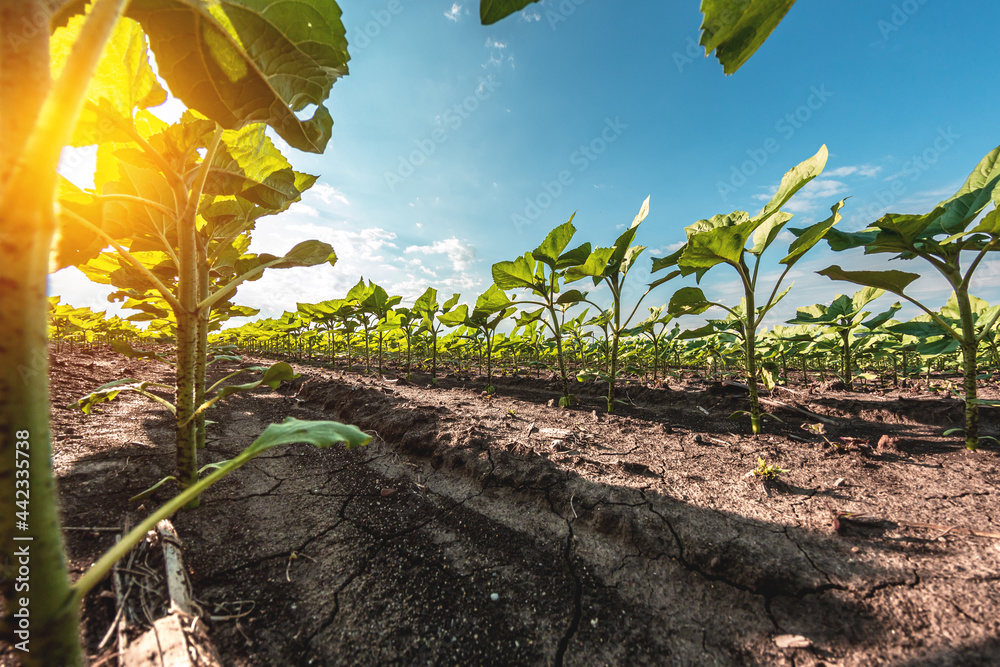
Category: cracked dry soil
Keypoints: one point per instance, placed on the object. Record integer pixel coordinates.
(482, 531)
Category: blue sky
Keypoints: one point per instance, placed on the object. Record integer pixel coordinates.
(451, 139)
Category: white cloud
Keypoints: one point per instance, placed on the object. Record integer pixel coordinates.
(454, 13)
(530, 15)
(866, 170)
(329, 194)
(303, 209)
(462, 255)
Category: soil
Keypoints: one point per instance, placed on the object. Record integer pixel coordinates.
(501, 529)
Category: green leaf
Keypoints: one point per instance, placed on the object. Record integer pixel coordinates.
(660, 263)
(491, 11)
(239, 61)
(574, 257)
(595, 267)
(883, 317)
(764, 235)
(688, 301)
(978, 190)
(891, 281)
(307, 253)
(127, 350)
(719, 239)
(735, 29)
(794, 180)
(318, 433)
(123, 81)
(922, 330)
(571, 296)
(555, 243)
(812, 235)
(518, 274)
(273, 377)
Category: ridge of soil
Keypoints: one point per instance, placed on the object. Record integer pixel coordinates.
(497, 529)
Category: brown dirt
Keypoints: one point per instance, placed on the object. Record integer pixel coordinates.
(500, 530)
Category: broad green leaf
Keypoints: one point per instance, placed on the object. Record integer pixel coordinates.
(555, 243)
(457, 317)
(307, 253)
(840, 241)
(724, 242)
(273, 377)
(127, 350)
(573, 257)
(735, 29)
(688, 301)
(426, 302)
(318, 433)
(491, 301)
(812, 235)
(891, 281)
(239, 61)
(863, 297)
(123, 81)
(883, 317)
(764, 235)
(519, 274)
(595, 267)
(978, 190)
(660, 263)
(491, 11)
(937, 346)
(793, 181)
(571, 296)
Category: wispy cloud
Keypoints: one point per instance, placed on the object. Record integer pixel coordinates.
(461, 254)
(329, 194)
(454, 13)
(497, 54)
(866, 170)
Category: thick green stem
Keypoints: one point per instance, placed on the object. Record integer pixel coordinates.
(970, 350)
(845, 335)
(613, 374)
(971, 409)
(557, 333)
(201, 348)
(36, 121)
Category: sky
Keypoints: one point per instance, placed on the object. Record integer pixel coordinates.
(456, 145)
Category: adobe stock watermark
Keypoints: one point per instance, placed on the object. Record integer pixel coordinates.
(912, 171)
(19, 35)
(581, 158)
(451, 120)
(691, 52)
(785, 128)
(380, 20)
(900, 16)
(562, 12)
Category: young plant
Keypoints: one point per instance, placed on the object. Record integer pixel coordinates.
(430, 312)
(941, 238)
(647, 328)
(541, 271)
(842, 317)
(611, 266)
(767, 472)
(723, 240)
(40, 119)
(492, 307)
